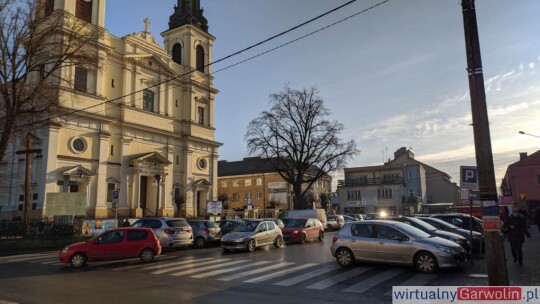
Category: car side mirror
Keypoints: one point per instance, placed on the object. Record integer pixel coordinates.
(403, 238)
(98, 241)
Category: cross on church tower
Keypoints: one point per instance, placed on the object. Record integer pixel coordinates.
(146, 24)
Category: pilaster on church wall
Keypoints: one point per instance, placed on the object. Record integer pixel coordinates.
(126, 196)
(50, 159)
(101, 174)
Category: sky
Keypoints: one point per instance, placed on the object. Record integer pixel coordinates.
(394, 76)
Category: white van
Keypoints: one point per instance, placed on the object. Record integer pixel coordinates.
(319, 214)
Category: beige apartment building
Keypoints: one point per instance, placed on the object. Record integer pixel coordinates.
(152, 152)
(253, 184)
(403, 186)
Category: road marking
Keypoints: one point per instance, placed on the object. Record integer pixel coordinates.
(216, 272)
(157, 265)
(279, 273)
(198, 269)
(371, 282)
(307, 276)
(15, 259)
(339, 278)
(189, 266)
(420, 279)
(248, 273)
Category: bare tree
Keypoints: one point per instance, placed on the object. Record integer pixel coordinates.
(297, 137)
(37, 44)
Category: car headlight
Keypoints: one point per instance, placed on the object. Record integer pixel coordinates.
(447, 249)
(477, 237)
(65, 249)
(295, 232)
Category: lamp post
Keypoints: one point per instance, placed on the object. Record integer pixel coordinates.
(524, 133)
(158, 179)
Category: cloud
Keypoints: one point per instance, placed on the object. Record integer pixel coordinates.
(531, 65)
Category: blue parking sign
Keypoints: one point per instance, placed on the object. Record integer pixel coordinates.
(469, 177)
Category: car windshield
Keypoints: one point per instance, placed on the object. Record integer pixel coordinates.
(211, 224)
(419, 224)
(177, 223)
(441, 223)
(295, 223)
(411, 231)
(247, 227)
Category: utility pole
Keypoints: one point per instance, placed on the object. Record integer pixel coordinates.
(495, 257)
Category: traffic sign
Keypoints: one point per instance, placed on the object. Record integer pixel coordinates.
(469, 177)
(115, 196)
(522, 196)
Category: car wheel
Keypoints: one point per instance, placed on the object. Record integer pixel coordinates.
(344, 257)
(321, 236)
(251, 246)
(78, 260)
(147, 255)
(278, 242)
(200, 242)
(303, 239)
(426, 262)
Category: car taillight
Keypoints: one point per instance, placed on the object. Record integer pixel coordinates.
(205, 230)
(168, 231)
(188, 230)
(334, 239)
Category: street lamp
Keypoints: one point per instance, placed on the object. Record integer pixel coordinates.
(158, 179)
(521, 132)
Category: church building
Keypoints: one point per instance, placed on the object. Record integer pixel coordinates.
(137, 137)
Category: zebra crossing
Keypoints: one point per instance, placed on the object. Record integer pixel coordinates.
(315, 276)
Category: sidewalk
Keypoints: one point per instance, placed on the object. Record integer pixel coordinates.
(526, 275)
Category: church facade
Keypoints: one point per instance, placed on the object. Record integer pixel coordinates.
(138, 136)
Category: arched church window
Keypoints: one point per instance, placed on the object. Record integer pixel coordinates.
(200, 59)
(83, 10)
(177, 53)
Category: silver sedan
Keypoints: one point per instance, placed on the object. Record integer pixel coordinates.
(395, 243)
(252, 234)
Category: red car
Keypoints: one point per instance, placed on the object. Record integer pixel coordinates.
(113, 244)
(301, 230)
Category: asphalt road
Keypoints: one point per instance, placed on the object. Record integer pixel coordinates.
(295, 273)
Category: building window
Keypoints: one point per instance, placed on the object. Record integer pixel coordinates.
(247, 195)
(148, 100)
(200, 59)
(411, 175)
(110, 188)
(235, 196)
(112, 150)
(83, 10)
(81, 78)
(235, 183)
(177, 53)
(411, 192)
(112, 83)
(259, 181)
(247, 182)
(224, 184)
(384, 193)
(79, 145)
(354, 194)
(201, 163)
(259, 195)
(200, 115)
(177, 159)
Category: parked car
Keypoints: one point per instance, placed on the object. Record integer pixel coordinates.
(227, 226)
(427, 228)
(204, 232)
(391, 242)
(276, 221)
(251, 235)
(172, 232)
(358, 216)
(113, 244)
(461, 220)
(334, 222)
(477, 240)
(305, 213)
(301, 230)
(349, 218)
